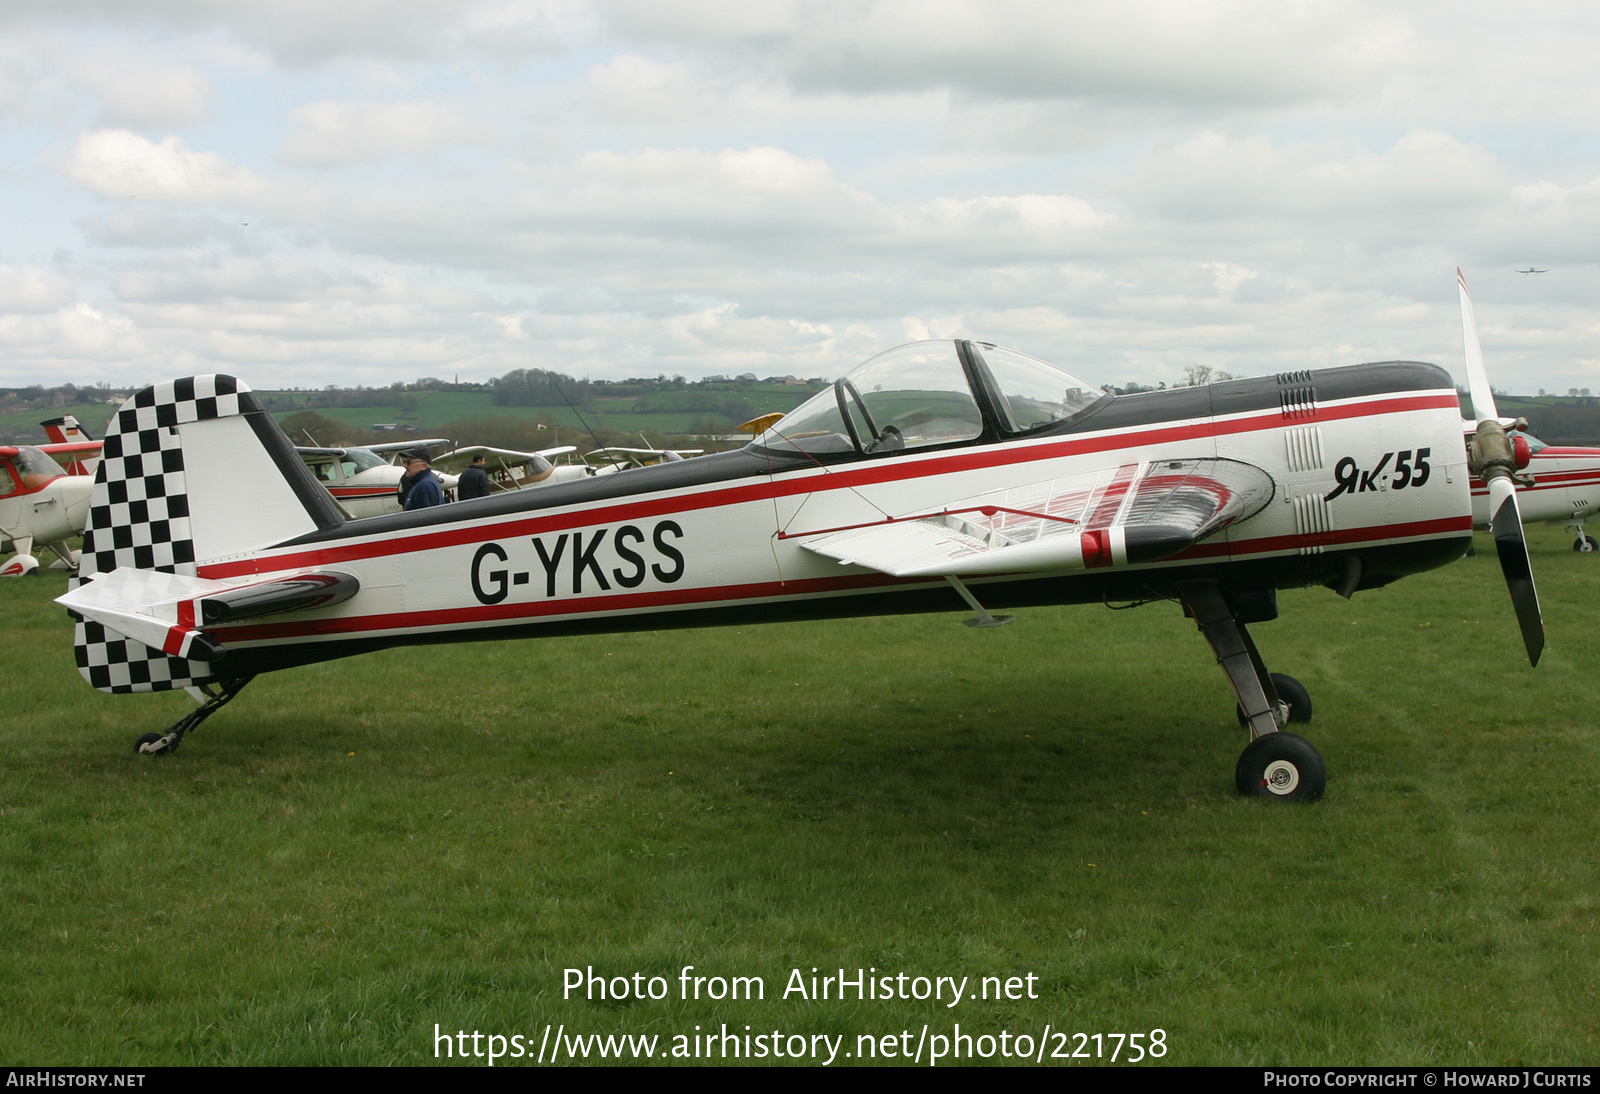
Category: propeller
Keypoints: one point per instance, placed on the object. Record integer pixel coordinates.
(1494, 461)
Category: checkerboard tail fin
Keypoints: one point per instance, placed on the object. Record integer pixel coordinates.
(192, 471)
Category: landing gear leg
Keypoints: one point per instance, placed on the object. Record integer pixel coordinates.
(214, 699)
(1276, 764)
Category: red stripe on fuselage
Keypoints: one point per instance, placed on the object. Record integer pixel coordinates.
(764, 488)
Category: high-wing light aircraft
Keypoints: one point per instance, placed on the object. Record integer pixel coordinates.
(1530, 270)
(509, 469)
(935, 474)
(1560, 485)
(608, 461)
(41, 502)
(360, 479)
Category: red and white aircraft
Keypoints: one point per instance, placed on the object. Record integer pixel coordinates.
(937, 474)
(1560, 484)
(66, 431)
(39, 502)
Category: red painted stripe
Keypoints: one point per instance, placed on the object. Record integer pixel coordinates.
(1270, 544)
(764, 489)
(723, 595)
(173, 643)
(1111, 500)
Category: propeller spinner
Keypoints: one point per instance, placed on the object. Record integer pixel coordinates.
(1494, 461)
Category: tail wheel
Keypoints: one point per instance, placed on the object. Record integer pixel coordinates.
(151, 744)
(1281, 766)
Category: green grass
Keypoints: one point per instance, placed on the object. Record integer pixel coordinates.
(354, 852)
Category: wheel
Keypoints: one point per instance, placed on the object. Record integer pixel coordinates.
(1585, 544)
(1281, 766)
(1292, 692)
(151, 744)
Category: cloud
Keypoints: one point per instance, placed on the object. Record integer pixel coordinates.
(119, 165)
(341, 134)
(1232, 52)
(300, 33)
(142, 96)
(30, 290)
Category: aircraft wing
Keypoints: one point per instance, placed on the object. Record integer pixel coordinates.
(464, 455)
(166, 611)
(1129, 514)
(397, 446)
(70, 448)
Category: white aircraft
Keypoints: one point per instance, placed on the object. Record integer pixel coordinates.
(39, 502)
(937, 474)
(1531, 270)
(608, 461)
(1556, 484)
(509, 469)
(361, 480)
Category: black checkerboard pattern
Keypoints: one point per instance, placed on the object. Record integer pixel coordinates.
(139, 516)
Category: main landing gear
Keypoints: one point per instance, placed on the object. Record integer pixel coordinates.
(212, 698)
(1275, 764)
(1585, 542)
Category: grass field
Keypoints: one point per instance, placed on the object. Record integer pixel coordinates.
(354, 852)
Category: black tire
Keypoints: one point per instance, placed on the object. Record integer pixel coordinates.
(1283, 767)
(1291, 691)
(148, 739)
(1578, 544)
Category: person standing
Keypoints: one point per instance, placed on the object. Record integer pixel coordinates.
(420, 488)
(474, 481)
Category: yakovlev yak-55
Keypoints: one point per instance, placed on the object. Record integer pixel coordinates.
(935, 474)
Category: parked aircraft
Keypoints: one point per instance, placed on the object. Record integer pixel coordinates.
(65, 430)
(39, 502)
(361, 480)
(1560, 484)
(608, 461)
(935, 474)
(509, 469)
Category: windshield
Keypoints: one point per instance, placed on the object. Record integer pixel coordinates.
(360, 459)
(34, 468)
(921, 395)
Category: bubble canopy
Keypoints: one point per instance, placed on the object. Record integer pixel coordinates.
(932, 394)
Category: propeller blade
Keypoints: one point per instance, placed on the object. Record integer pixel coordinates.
(1506, 524)
(1483, 406)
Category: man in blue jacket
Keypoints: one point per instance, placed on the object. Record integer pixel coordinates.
(424, 485)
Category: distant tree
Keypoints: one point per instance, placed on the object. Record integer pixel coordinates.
(1200, 375)
(307, 427)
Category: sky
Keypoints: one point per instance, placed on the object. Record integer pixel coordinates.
(309, 194)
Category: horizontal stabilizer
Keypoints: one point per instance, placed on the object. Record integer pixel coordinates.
(166, 611)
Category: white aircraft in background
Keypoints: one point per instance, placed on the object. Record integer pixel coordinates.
(39, 502)
(509, 469)
(608, 461)
(1556, 484)
(1530, 269)
(361, 480)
